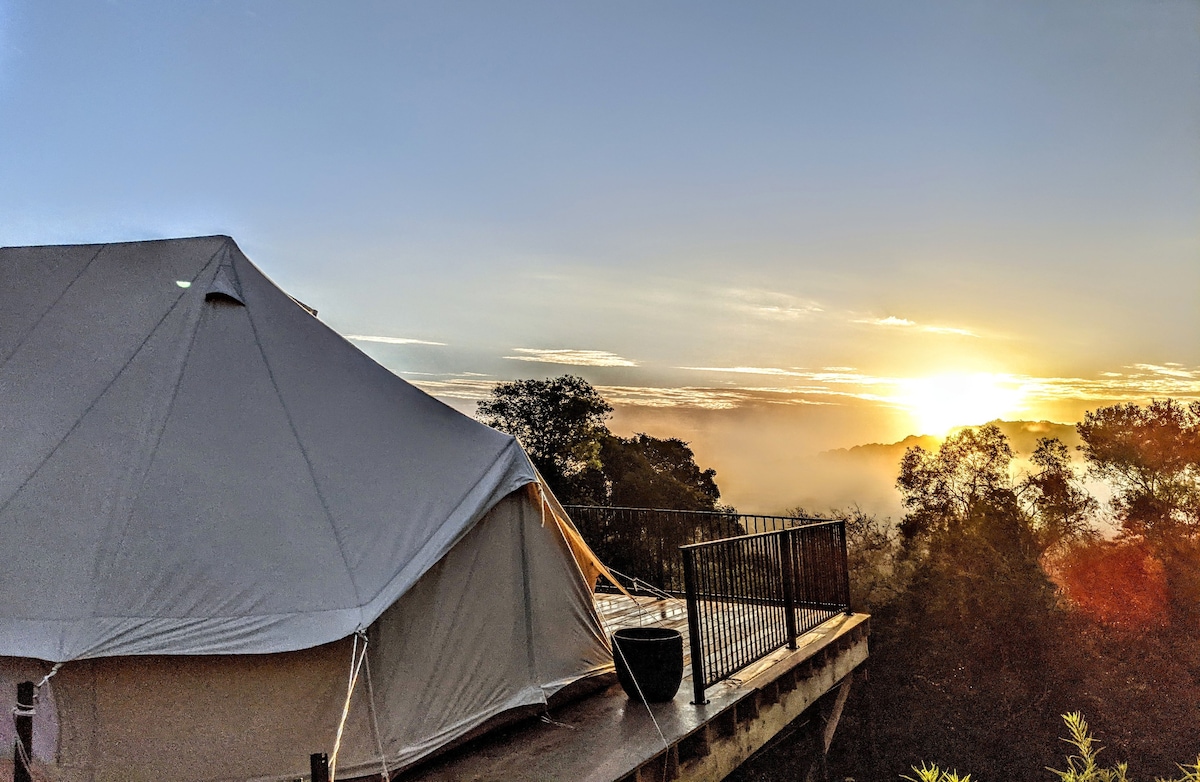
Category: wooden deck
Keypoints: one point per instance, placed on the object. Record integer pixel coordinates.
(747, 630)
(606, 737)
(619, 610)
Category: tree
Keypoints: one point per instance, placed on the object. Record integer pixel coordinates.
(648, 472)
(970, 477)
(943, 491)
(1055, 497)
(973, 630)
(560, 424)
(1151, 457)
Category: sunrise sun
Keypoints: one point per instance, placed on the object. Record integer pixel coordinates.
(942, 402)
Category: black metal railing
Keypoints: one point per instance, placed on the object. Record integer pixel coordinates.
(644, 542)
(749, 595)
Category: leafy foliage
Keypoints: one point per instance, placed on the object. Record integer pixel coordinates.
(970, 477)
(559, 422)
(942, 491)
(1082, 767)
(1151, 457)
(978, 653)
(648, 472)
(1118, 583)
(1056, 496)
(932, 773)
(1085, 766)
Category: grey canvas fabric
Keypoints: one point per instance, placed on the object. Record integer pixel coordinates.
(191, 463)
(461, 647)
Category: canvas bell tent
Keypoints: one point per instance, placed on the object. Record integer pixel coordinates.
(209, 501)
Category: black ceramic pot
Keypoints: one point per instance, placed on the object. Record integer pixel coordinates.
(651, 655)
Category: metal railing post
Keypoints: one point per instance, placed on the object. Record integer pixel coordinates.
(693, 613)
(789, 585)
(845, 565)
(745, 580)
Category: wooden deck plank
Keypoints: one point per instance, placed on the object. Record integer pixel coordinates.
(745, 634)
(607, 737)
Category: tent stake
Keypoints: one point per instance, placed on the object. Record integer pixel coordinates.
(23, 747)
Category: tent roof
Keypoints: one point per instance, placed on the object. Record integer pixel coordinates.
(191, 463)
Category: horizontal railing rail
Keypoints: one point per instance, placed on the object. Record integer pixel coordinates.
(748, 596)
(644, 542)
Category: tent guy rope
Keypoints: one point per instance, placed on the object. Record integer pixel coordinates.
(356, 663)
(374, 716)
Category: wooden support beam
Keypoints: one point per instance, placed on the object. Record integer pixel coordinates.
(835, 711)
(318, 764)
(23, 747)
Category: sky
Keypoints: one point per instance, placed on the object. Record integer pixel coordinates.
(767, 228)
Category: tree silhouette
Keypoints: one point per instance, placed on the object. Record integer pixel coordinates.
(942, 491)
(560, 424)
(1151, 457)
(1058, 501)
(648, 472)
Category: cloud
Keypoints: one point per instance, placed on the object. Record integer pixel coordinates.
(777, 371)
(892, 321)
(949, 330)
(888, 321)
(772, 304)
(787, 313)
(637, 396)
(703, 398)
(579, 358)
(391, 340)
(1169, 369)
(833, 375)
(1137, 383)
(700, 397)
(810, 387)
(457, 388)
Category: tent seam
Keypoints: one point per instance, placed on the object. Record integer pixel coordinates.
(274, 615)
(526, 587)
(307, 461)
(53, 304)
(449, 544)
(162, 427)
(108, 386)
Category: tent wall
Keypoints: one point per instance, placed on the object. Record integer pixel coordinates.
(503, 621)
(512, 621)
(144, 719)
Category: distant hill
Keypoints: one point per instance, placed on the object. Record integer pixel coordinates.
(1022, 436)
(865, 475)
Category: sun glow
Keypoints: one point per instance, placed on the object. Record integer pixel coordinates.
(940, 403)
